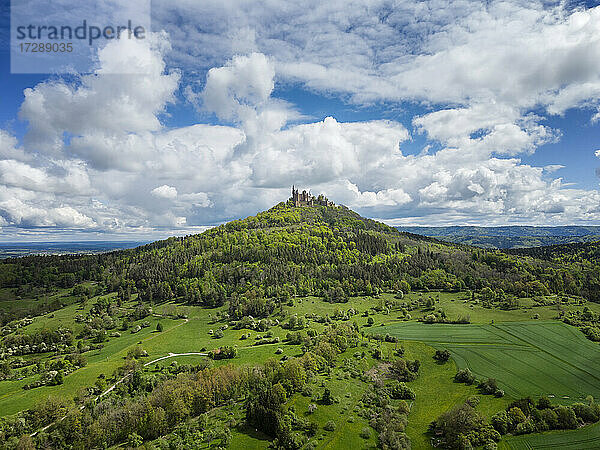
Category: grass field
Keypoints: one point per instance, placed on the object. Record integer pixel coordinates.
(437, 393)
(527, 358)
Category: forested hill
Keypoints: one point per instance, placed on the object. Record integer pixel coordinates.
(509, 236)
(331, 252)
(583, 253)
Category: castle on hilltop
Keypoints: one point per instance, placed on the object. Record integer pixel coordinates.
(305, 198)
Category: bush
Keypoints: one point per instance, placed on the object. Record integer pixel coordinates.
(442, 355)
(329, 426)
(473, 401)
(489, 386)
(400, 391)
(365, 433)
(464, 376)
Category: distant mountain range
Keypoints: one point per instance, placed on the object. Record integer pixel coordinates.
(509, 236)
(16, 249)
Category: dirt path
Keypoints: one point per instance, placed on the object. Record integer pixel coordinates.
(123, 378)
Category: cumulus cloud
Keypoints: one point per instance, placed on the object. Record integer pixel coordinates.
(103, 110)
(96, 155)
(164, 191)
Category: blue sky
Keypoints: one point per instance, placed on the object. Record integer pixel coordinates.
(428, 113)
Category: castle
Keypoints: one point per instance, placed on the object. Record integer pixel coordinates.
(305, 198)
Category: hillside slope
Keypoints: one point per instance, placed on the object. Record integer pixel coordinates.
(330, 252)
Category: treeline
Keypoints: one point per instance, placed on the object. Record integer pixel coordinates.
(465, 427)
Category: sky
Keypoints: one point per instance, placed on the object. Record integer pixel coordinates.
(415, 113)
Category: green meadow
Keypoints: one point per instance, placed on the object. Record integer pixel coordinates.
(527, 357)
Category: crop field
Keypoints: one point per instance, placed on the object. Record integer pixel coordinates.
(526, 358)
(583, 438)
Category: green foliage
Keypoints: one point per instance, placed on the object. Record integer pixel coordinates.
(442, 355)
(329, 426)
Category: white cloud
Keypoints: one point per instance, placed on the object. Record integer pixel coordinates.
(97, 156)
(102, 109)
(164, 191)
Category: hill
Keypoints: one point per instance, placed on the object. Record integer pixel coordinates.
(582, 253)
(269, 330)
(329, 252)
(508, 237)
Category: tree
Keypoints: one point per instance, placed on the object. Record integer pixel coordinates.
(134, 440)
(566, 418)
(404, 370)
(329, 426)
(265, 409)
(59, 378)
(455, 424)
(442, 355)
(515, 417)
(487, 294)
(25, 443)
(543, 403)
(500, 422)
(489, 386)
(327, 398)
(464, 376)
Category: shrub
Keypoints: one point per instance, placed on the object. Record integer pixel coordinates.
(401, 391)
(464, 376)
(473, 401)
(442, 355)
(365, 433)
(489, 386)
(329, 426)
